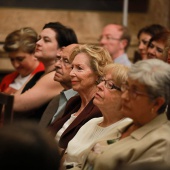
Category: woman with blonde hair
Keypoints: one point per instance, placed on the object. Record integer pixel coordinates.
(88, 62)
(145, 97)
(108, 100)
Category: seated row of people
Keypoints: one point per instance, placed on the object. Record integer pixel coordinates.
(86, 72)
(153, 41)
(142, 138)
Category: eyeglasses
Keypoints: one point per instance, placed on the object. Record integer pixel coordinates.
(109, 38)
(132, 92)
(65, 61)
(108, 84)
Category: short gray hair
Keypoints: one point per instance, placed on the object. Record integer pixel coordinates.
(154, 74)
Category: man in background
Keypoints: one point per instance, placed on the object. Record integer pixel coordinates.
(116, 39)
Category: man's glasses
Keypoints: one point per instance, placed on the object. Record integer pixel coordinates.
(65, 61)
(132, 92)
(108, 84)
(108, 38)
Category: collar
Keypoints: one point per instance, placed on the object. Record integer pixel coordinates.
(151, 126)
(68, 93)
(123, 59)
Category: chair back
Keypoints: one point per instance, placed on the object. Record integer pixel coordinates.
(6, 108)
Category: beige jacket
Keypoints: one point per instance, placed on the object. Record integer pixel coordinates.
(150, 143)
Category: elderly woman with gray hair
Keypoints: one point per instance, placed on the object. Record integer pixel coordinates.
(145, 97)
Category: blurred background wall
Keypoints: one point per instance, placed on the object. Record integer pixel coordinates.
(86, 19)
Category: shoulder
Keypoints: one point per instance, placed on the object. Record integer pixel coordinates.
(48, 80)
(92, 122)
(39, 68)
(95, 120)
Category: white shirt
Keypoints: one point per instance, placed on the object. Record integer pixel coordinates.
(65, 126)
(86, 137)
(19, 82)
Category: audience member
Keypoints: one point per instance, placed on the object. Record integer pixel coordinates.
(24, 145)
(108, 100)
(141, 166)
(88, 62)
(116, 39)
(166, 52)
(57, 105)
(32, 103)
(20, 45)
(144, 35)
(157, 44)
(147, 139)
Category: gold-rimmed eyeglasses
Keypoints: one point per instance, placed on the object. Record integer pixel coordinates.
(132, 92)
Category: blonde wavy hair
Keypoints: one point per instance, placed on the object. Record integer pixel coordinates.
(99, 57)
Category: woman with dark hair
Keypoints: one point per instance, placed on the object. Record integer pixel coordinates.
(144, 35)
(157, 45)
(88, 62)
(31, 101)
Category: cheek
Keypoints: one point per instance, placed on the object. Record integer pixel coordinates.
(113, 100)
(148, 50)
(90, 77)
(49, 49)
(160, 56)
(144, 47)
(67, 77)
(27, 64)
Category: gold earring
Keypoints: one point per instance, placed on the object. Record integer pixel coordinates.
(152, 110)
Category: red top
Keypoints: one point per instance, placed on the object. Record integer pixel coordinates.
(8, 79)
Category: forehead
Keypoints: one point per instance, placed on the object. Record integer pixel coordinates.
(108, 75)
(135, 84)
(144, 36)
(112, 30)
(48, 32)
(17, 54)
(82, 58)
(159, 44)
(66, 51)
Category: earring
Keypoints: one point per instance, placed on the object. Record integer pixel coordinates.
(152, 110)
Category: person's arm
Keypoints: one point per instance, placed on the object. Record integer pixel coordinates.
(43, 91)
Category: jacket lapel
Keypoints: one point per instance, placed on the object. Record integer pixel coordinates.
(49, 112)
(81, 117)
